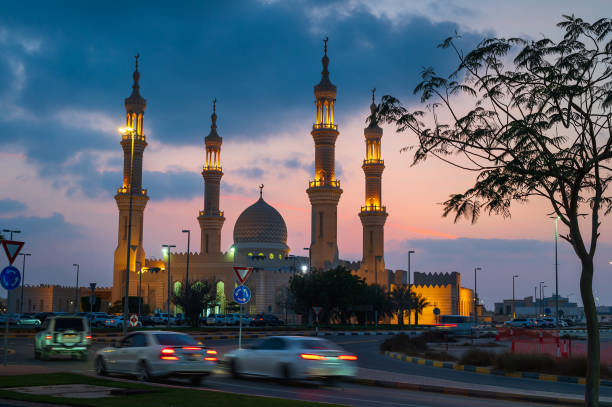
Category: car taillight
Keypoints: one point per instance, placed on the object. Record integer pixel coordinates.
(191, 348)
(211, 351)
(347, 357)
(88, 337)
(48, 337)
(211, 358)
(309, 356)
(168, 354)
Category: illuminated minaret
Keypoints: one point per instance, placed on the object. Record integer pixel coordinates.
(324, 192)
(211, 218)
(373, 215)
(133, 142)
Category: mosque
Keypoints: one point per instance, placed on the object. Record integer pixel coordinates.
(260, 233)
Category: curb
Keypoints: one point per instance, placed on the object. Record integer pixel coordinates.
(474, 393)
(489, 371)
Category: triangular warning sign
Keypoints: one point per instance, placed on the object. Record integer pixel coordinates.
(242, 273)
(11, 248)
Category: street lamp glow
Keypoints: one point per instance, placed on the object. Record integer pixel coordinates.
(304, 268)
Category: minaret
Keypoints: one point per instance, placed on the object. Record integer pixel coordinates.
(211, 218)
(133, 142)
(373, 215)
(324, 192)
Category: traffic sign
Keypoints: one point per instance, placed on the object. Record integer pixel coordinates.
(436, 311)
(317, 310)
(10, 278)
(11, 248)
(242, 273)
(133, 320)
(242, 294)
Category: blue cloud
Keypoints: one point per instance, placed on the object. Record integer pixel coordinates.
(9, 205)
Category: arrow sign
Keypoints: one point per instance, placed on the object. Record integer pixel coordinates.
(12, 249)
(242, 273)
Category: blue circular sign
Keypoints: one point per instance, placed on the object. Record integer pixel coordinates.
(242, 294)
(10, 278)
(436, 311)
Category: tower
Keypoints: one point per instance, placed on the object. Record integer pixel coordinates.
(211, 218)
(324, 191)
(133, 142)
(373, 214)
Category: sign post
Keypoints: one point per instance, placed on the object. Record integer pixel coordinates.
(9, 279)
(317, 310)
(242, 295)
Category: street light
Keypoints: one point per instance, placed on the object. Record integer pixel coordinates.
(11, 232)
(130, 131)
(23, 281)
(76, 289)
(309, 259)
(556, 276)
(409, 285)
(304, 268)
(476, 296)
(187, 269)
(92, 298)
(541, 307)
(513, 304)
(166, 250)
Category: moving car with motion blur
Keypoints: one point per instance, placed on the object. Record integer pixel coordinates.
(24, 320)
(293, 358)
(157, 354)
(63, 335)
(266, 320)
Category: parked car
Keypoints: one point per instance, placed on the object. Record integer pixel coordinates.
(146, 320)
(41, 316)
(266, 320)
(521, 323)
(293, 357)
(162, 318)
(98, 319)
(116, 321)
(215, 319)
(63, 335)
(234, 319)
(157, 354)
(23, 320)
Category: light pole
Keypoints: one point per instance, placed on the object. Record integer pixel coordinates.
(409, 285)
(11, 232)
(541, 307)
(309, 260)
(76, 289)
(167, 248)
(139, 271)
(556, 276)
(130, 131)
(187, 268)
(23, 281)
(376, 260)
(476, 296)
(513, 304)
(92, 298)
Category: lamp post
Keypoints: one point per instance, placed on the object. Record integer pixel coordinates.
(139, 271)
(376, 260)
(476, 296)
(11, 232)
(187, 268)
(541, 307)
(23, 281)
(167, 248)
(409, 285)
(309, 259)
(556, 276)
(513, 304)
(92, 298)
(76, 289)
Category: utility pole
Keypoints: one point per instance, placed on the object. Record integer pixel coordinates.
(76, 290)
(22, 283)
(168, 253)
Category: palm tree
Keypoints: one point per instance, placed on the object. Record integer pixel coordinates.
(401, 299)
(419, 303)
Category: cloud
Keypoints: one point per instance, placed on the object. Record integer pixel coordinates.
(10, 205)
(250, 172)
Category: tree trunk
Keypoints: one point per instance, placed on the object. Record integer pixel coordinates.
(416, 317)
(400, 317)
(591, 390)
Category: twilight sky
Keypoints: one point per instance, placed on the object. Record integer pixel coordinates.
(65, 68)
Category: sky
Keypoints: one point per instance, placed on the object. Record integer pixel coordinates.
(65, 68)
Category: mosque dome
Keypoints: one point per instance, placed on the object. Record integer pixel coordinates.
(261, 226)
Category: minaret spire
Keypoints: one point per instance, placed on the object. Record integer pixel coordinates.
(261, 191)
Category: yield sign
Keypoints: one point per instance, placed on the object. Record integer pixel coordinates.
(11, 248)
(242, 273)
(317, 310)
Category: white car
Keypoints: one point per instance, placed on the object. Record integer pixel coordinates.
(293, 357)
(161, 318)
(157, 354)
(215, 319)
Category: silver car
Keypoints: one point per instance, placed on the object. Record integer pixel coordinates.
(63, 335)
(157, 354)
(293, 357)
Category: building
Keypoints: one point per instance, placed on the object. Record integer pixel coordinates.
(56, 298)
(527, 307)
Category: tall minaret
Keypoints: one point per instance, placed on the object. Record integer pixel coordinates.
(211, 218)
(133, 142)
(373, 215)
(324, 192)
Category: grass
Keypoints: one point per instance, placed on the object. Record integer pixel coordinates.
(156, 396)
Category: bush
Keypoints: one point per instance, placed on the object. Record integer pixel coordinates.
(437, 337)
(524, 362)
(477, 357)
(441, 356)
(414, 345)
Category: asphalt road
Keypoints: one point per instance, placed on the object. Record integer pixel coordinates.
(369, 357)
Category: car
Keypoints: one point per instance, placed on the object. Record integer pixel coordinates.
(150, 354)
(146, 320)
(41, 316)
(215, 319)
(69, 335)
(293, 358)
(234, 319)
(23, 320)
(116, 321)
(98, 319)
(547, 322)
(521, 323)
(162, 318)
(266, 320)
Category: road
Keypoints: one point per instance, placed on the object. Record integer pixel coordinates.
(350, 394)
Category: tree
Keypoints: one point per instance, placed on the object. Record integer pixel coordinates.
(86, 303)
(401, 299)
(418, 303)
(194, 299)
(539, 127)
